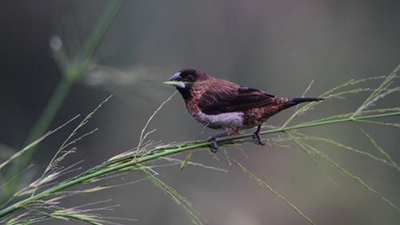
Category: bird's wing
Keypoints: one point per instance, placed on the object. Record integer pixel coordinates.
(232, 98)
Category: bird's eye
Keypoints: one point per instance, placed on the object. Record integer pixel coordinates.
(190, 78)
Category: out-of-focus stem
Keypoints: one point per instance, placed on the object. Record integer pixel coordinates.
(73, 71)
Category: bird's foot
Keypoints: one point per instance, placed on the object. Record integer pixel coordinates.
(259, 141)
(214, 146)
(258, 137)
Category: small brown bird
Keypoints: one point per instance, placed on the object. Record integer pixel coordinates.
(220, 104)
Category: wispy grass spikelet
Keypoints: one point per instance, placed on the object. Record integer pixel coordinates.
(265, 185)
(181, 201)
(344, 171)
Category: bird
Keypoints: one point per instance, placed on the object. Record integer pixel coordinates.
(223, 105)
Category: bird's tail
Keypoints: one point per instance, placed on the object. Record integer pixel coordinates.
(285, 103)
(296, 101)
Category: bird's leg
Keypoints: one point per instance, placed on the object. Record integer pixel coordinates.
(257, 135)
(213, 139)
(227, 132)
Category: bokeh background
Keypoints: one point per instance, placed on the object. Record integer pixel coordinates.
(277, 46)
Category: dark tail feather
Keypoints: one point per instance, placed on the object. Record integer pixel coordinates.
(296, 101)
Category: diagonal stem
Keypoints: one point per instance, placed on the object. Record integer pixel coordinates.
(122, 163)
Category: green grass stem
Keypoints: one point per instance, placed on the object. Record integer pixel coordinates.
(126, 162)
(73, 70)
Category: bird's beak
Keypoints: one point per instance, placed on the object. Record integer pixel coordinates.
(172, 81)
(178, 84)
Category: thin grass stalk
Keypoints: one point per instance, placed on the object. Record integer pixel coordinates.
(39, 129)
(126, 162)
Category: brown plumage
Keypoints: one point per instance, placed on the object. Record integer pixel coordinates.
(220, 104)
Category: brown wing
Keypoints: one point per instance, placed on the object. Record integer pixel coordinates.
(232, 98)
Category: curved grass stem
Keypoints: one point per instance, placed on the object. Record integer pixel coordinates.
(126, 162)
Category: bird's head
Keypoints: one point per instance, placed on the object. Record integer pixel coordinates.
(185, 79)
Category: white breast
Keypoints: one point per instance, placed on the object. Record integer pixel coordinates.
(221, 121)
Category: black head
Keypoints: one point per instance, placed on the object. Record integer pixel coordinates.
(185, 79)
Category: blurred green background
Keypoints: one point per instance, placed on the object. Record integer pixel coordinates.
(277, 46)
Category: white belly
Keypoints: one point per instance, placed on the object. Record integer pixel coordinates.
(220, 121)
